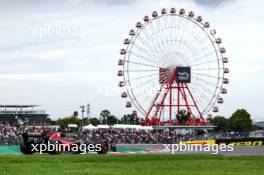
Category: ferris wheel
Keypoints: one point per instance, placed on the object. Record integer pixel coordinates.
(173, 62)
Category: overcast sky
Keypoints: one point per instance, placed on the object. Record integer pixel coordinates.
(62, 71)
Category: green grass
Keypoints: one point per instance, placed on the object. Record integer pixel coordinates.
(131, 164)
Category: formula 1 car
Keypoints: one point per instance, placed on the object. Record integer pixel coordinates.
(36, 142)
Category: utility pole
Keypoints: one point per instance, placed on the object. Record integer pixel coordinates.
(88, 112)
(82, 110)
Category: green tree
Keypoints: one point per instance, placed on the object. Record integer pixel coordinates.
(68, 120)
(111, 120)
(134, 120)
(183, 116)
(50, 121)
(75, 114)
(95, 121)
(240, 120)
(129, 119)
(221, 123)
(104, 115)
(124, 119)
(200, 132)
(73, 119)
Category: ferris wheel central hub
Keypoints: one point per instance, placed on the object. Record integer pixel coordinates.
(180, 74)
(183, 74)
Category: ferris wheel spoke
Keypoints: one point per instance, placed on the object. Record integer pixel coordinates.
(204, 56)
(196, 99)
(164, 78)
(147, 53)
(216, 68)
(208, 102)
(204, 89)
(161, 52)
(152, 41)
(180, 55)
(206, 75)
(200, 102)
(156, 41)
(144, 58)
(164, 44)
(184, 48)
(149, 46)
(164, 27)
(142, 64)
(204, 81)
(205, 62)
(145, 82)
(201, 47)
(142, 70)
(181, 38)
(151, 38)
(199, 42)
(184, 38)
(138, 78)
(197, 95)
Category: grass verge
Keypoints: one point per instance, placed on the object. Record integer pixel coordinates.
(131, 164)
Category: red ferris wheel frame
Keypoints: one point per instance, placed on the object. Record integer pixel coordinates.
(153, 116)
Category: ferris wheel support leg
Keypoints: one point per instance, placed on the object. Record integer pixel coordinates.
(170, 106)
(195, 104)
(162, 108)
(153, 102)
(169, 85)
(178, 101)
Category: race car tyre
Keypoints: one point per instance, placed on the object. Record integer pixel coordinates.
(104, 149)
(26, 149)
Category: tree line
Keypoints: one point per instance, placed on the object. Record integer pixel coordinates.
(240, 120)
(105, 118)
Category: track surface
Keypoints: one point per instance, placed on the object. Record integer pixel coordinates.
(158, 148)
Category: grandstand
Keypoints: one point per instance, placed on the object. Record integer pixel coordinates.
(23, 114)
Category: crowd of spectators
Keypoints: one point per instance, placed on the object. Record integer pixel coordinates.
(133, 136)
(8, 135)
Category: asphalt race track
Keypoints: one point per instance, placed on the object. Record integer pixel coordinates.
(156, 149)
(159, 149)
